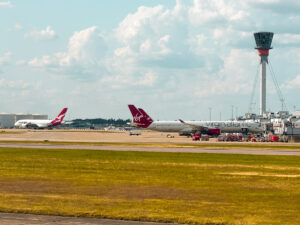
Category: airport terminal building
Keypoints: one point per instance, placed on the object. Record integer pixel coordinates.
(7, 120)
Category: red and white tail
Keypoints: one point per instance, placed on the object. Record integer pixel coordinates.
(60, 117)
(148, 118)
(139, 118)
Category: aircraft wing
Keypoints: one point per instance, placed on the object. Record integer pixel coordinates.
(195, 127)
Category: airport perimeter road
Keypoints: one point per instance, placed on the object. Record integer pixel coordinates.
(29, 219)
(161, 149)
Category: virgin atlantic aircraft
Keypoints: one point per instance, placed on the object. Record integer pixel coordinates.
(143, 120)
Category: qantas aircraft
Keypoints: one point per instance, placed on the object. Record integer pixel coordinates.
(143, 120)
(41, 124)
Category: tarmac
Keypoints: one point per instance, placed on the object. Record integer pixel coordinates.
(161, 149)
(29, 219)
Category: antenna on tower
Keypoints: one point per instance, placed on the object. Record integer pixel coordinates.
(252, 102)
(279, 93)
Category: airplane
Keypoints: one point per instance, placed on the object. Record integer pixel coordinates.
(143, 120)
(41, 124)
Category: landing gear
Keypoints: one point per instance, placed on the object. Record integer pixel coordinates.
(245, 131)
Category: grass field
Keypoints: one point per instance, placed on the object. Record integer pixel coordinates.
(169, 187)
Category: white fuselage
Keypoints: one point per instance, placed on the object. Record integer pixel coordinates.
(33, 123)
(224, 126)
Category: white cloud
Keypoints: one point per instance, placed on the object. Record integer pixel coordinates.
(157, 37)
(292, 84)
(152, 38)
(148, 80)
(81, 46)
(6, 4)
(235, 76)
(18, 27)
(77, 52)
(216, 11)
(20, 91)
(21, 62)
(198, 51)
(18, 84)
(279, 7)
(85, 50)
(288, 38)
(267, 1)
(46, 34)
(6, 58)
(135, 23)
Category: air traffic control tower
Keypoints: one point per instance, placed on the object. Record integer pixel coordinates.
(263, 44)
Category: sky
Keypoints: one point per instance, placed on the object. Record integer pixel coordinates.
(174, 59)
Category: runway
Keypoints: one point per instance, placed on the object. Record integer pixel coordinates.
(29, 219)
(161, 149)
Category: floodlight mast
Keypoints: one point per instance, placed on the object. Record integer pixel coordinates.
(263, 44)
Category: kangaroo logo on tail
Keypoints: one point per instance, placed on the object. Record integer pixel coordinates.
(58, 120)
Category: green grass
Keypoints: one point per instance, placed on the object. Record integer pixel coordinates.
(221, 145)
(169, 187)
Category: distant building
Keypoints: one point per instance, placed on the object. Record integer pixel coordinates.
(296, 114)
(8, 120)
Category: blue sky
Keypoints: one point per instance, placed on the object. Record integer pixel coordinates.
(176, 59)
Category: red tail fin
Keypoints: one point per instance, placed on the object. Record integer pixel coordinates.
(138, 117)
(148, 118)
(60, 117)
(136, 114)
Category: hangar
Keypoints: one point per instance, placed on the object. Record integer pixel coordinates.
(7, 120)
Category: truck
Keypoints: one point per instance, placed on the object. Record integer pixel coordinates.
(135, 132)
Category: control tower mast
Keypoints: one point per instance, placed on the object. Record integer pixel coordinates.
(263, 44)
